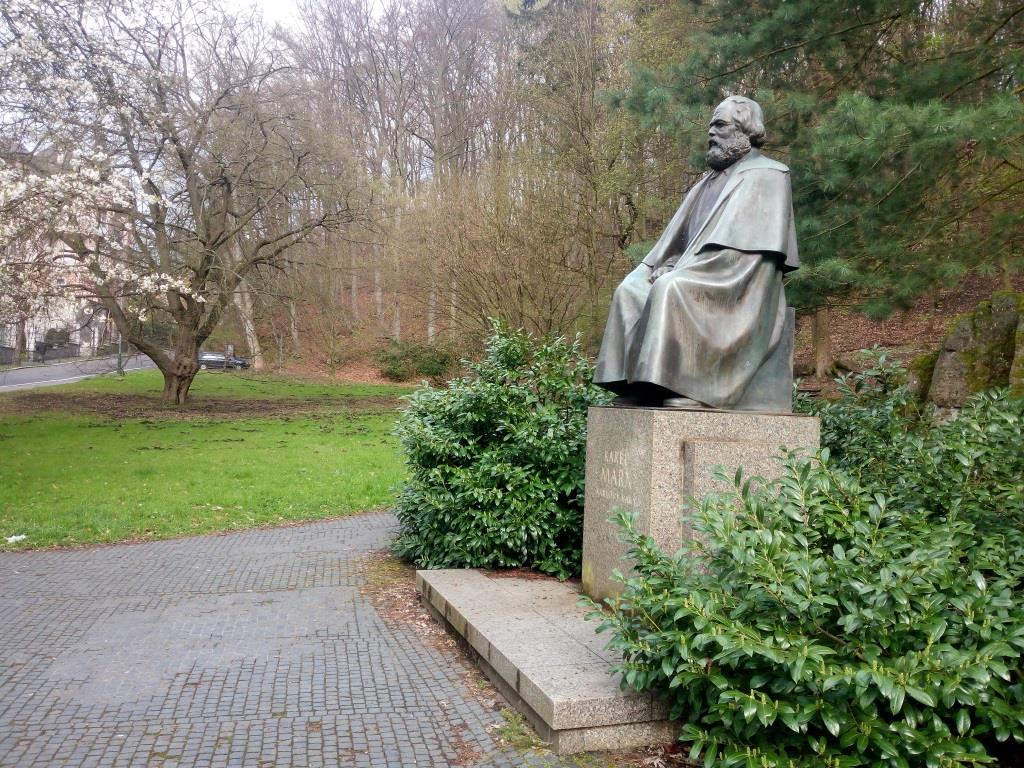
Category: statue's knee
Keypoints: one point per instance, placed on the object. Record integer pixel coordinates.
(629, 293)
(661, 287)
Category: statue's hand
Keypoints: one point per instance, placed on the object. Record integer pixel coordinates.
(656, 273)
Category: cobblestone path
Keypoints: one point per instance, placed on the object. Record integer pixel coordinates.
(249, 649)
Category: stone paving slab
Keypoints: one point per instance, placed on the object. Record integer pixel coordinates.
(248, 649)
(534, 642)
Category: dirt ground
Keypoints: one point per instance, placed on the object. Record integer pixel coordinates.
(352, 372)
(905, 334)
(131, 406)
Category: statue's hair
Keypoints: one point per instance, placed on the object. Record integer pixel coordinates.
(749, 118)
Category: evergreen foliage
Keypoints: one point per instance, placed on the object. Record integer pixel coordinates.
(901, 121)
(402, 361)
(496, 460)
(863, 610)
(971, 466)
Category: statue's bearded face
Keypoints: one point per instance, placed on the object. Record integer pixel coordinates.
(727, 142)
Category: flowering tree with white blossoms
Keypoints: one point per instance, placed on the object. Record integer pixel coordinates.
(36, 272)
(164, 150)
(28, 285)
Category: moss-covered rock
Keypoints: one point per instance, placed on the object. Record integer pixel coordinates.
(979, 351)
(920, 371)
(1017, 369)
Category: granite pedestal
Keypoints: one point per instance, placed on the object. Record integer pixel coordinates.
(651, 460)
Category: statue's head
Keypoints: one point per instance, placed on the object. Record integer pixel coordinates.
(736, 125)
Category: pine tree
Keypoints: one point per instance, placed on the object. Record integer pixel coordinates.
(902, 123)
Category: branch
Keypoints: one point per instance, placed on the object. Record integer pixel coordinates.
(1007, 20)
(875, 204)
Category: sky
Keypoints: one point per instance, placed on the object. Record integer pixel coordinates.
(283, 12)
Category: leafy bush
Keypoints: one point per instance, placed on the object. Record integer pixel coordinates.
(402, 361)
(971, 464)
(57, 336)
(496, 460)
(821, 624)
(864, 609)
(865, 424)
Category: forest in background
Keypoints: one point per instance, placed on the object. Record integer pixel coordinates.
(454, 161)
(524, 160)
(504, 184)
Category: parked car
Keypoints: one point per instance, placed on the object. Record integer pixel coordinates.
(217, 360)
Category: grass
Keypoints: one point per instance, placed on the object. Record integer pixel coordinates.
(73, 471)
(516, 732)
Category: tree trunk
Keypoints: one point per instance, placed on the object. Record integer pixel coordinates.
(243, 301)
(432, 311)
(176, 388)
(354, 288)
(396, 321)
(293, 321)
(179, 373)
(453, 309)
(378, 291)
(179, 366)
(824, 364)
(19, 341)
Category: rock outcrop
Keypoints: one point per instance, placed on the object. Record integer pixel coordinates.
(1017, 368)
(983, 349)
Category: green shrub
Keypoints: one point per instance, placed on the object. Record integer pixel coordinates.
(57, 336)
(864, 609)
(971, 464)
(865, 425)
(822, 622)
(496, 460)
(402, 361)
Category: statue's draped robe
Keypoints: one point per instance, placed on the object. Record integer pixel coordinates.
(703, 329)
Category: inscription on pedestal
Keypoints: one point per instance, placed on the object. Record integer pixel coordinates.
(615, 484)
(618, 477)
(612, 483)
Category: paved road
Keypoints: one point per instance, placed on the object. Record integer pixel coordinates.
(71, 370)
(248, 649)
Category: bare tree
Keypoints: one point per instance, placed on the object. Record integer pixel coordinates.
(508, 187)
(357, 54)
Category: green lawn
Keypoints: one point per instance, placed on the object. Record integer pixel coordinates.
(247, 450)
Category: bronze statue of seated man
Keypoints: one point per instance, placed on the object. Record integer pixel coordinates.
(702, 321)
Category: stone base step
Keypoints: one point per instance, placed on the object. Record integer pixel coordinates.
(533, 642)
